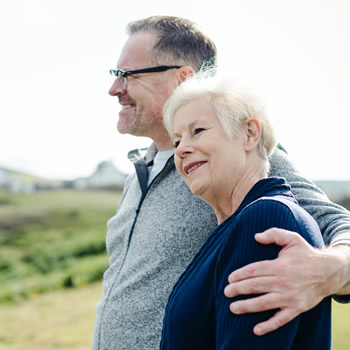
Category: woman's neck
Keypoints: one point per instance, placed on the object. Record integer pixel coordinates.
(229, 200)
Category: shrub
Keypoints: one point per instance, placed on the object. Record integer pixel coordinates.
(53, 240)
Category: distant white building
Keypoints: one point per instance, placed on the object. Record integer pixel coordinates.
(106, 175)
(4, 177)
(335, 190)
(13, 183)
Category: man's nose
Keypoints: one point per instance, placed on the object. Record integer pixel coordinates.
(117, 88)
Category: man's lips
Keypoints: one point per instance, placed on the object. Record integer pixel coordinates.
(188, 169)
(127, 106)
(126, 102)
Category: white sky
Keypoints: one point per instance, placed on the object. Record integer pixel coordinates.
(57, 120)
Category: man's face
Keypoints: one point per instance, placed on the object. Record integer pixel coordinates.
(143, 99)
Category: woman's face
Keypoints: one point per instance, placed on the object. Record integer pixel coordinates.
(208, 161)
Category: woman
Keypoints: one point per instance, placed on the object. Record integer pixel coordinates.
(223, 139)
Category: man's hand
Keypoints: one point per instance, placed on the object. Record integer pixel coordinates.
(294, 282)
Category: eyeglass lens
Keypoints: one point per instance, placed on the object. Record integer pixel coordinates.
(117, 75)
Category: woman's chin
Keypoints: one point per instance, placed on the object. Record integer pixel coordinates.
(198, 191)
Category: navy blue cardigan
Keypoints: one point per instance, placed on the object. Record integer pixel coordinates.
(198, 316)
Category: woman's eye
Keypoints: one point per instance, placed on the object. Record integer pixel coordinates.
(176, 143)
(198, 130)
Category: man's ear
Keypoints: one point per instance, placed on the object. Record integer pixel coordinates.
(184, 72)
(253, 131)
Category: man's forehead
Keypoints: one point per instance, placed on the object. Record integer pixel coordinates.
(136, 51)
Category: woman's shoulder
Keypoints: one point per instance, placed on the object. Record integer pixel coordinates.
(282, 212)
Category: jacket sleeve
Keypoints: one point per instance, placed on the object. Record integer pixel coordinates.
(241, 249)
(333, 219)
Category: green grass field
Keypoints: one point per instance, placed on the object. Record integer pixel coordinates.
(56, 320)
(64, 320)
(51, 240)
(52, 257)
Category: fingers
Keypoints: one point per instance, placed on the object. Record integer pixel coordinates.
(261, 303)
(260, 268)
(278, 320)
(278, 236)
(287, 239)
(258, 285)
(289, 282)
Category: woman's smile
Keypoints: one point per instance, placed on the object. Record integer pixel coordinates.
(190, 168)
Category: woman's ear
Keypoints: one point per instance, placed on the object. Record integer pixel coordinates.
(253, 134)
(183, 73)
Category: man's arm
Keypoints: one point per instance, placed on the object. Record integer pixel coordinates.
(333, 219)
(305, 275)
(302, 276)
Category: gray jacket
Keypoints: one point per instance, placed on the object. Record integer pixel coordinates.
(156, 233)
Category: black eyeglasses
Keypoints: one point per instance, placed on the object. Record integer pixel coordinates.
(121, 74)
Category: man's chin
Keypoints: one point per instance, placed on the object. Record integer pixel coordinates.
(122, 130)
(126, 129)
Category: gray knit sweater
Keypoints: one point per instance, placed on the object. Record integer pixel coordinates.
(154, 236)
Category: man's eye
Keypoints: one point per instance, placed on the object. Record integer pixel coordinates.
(176, 144)
(198, 130)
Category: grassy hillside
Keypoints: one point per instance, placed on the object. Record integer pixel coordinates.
(51, 240)
(64, 320)
(31, 179)
(56, 320)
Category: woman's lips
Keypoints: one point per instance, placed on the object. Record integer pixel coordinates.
(188, 169)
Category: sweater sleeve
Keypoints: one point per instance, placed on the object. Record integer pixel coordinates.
(242, 249)
(333, 219)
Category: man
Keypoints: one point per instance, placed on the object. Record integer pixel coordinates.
(160, 225)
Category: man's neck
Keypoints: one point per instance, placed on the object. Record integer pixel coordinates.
(164, 144)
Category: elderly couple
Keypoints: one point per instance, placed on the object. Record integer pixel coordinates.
(187, 268)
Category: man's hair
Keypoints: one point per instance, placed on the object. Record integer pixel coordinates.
(179, 41)
(233, 104)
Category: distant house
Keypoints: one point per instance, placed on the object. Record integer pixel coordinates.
(13, 183)
(4, 177)
(105, 176)
(337, 191)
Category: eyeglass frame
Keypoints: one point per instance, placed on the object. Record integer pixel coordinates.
(122, 74)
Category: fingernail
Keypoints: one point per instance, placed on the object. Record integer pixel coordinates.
(258, 330)
(234, 308)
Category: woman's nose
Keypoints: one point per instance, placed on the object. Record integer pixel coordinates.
(183, 149)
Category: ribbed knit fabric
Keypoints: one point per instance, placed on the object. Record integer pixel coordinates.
(198, 315)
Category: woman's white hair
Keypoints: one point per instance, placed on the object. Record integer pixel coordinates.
(234, 106)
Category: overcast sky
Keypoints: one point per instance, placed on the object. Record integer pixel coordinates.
(57, 120)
